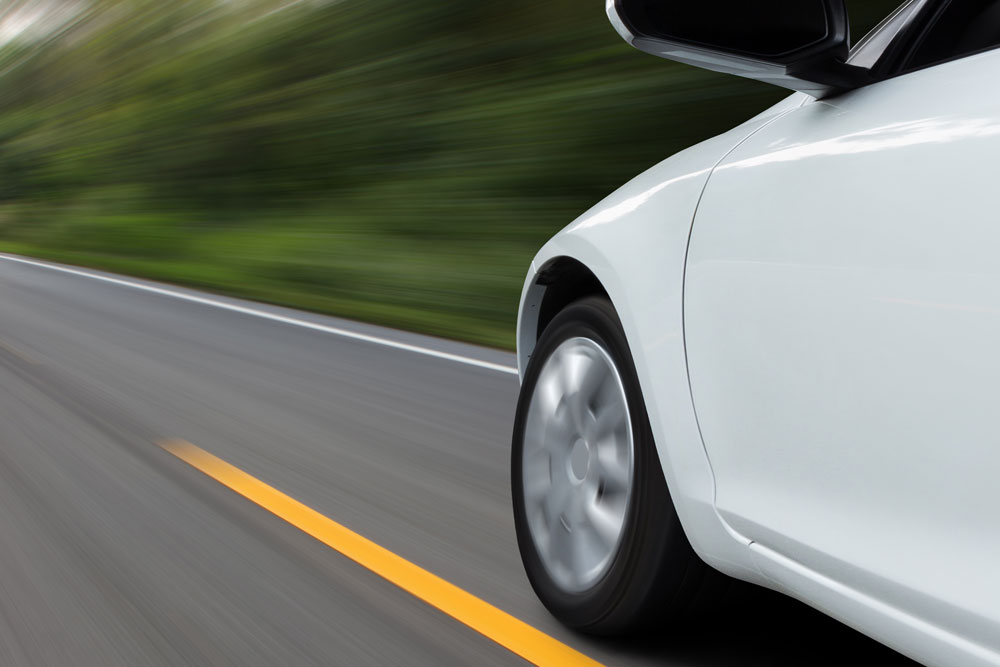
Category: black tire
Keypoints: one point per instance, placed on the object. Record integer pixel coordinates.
(655, 576)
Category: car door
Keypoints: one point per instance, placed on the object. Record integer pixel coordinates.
(842, 326)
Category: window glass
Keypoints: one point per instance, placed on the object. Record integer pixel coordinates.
(962, 27)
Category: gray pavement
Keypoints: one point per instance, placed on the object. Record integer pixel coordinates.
(113, 552)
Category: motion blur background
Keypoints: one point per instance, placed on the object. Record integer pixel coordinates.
(395, 161)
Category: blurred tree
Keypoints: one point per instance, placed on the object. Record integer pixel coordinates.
(392, 160)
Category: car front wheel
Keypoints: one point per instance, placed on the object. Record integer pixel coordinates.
(600, 540)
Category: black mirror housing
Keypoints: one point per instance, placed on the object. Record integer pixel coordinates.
(796, 44)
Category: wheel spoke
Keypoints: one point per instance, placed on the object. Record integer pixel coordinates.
(560, 544)
(584, 553)
(614, 472)
(605, 522)
(550, 394)
(559, 435)
(611, 420)
(583, 377)
(537, 478)
(556, 500)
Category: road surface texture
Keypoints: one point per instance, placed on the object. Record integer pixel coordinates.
(115, 552)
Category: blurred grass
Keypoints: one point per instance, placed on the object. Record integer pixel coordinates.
(393, 161)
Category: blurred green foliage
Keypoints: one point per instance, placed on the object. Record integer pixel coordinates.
(397, 161)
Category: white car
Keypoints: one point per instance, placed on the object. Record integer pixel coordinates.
(778, 352)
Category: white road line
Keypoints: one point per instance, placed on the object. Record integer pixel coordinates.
(305, 324)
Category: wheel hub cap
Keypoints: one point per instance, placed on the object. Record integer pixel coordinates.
(577, 463)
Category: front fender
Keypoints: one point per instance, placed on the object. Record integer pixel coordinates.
(635, 243)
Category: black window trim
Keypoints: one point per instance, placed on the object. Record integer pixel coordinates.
(895, 60)
(899, 51)
(904, 63)
(885, 25)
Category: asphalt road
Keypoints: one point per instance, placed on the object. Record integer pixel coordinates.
(114, 552)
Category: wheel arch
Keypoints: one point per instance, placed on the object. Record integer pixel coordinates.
(558, 283)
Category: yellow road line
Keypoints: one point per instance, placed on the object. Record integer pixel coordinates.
(511, 633)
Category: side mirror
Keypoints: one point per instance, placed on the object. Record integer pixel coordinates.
(797, 44)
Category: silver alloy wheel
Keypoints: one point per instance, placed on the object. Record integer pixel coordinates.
(577, 465)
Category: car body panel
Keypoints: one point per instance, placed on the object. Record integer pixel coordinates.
(635, 243)
(842, 314)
